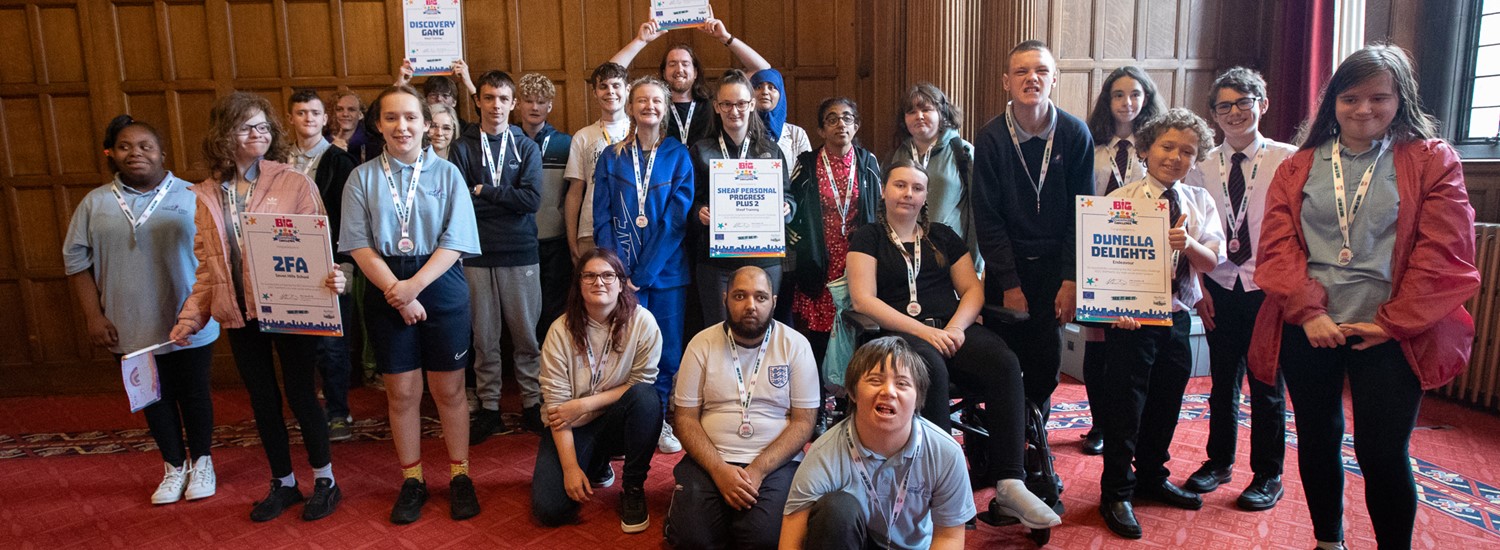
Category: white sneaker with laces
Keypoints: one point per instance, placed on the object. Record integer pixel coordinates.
(172, 484)
(668, 442)
(202, 483)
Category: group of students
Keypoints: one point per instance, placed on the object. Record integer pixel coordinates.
(583, 247)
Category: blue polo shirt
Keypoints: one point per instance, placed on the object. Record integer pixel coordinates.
(443, 216)
(143, 278)
(1355, 291)
(938, 492)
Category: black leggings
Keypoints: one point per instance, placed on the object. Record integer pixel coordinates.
(186, 402)
(1386, 397)
(252, 354)
(985, 367)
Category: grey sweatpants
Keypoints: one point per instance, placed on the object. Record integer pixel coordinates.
(508, 297)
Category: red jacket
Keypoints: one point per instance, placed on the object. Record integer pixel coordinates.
(280, 190)
(1432, 264)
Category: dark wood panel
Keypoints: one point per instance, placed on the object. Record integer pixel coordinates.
(542, 47)
(140, 50)
(369, 50)
(488, 33)
(1160, 29)
(73, 130)
(1117, 36)
(16, 65)
(252, 40)
(307, 28)
(62, 52)
(23, 123)
(13, 347)
(190, 51)
(40, 231)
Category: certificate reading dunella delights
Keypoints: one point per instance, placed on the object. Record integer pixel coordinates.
(1124, 262)
(289, 258)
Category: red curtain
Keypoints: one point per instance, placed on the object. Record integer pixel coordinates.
(1301, 62)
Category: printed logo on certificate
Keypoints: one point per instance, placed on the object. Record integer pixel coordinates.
(289, 259)
(744, 208)
(1124, 261)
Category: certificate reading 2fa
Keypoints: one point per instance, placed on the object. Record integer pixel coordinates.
(1124, 261)
(744, 209)
(434, 35)
(289, 259)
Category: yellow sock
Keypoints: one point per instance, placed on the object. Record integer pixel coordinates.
(413, 471)
(458, 468)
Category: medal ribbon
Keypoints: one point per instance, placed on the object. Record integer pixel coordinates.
(403, 212)
(596, 367)
(496, 168)
(746, 394)
(1231, 213)
(841, 200)
(1346, 215)
(1041, 179)
(642, 181)
(231, 189)
(162, 188)
(744, 147)
(899, 499)
(683, 125)
(913, 262)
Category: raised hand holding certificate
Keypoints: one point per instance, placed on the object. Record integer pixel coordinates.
(1124, 262)
(680, 14)
(744, 209)
(434, 31)
(290, 257)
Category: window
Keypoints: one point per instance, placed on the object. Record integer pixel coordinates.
(1483, 113)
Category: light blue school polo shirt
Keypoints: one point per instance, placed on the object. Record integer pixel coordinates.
(937, 494)
(443, 215)
(1355, 291)
(143, 279)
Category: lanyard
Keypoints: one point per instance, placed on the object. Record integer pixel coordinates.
(683, 125)
(304, 164)
(746, 394)
(913, 264)
(496, 168)
(1231, 213)
(162, 188)
(545, 141)
(840, 200)
(596, 367)
(598, 148)
(403, 212)
(234, 206)
(1041, 179)
(744, 147)
(922, 158)
(899, 499)
(1346, 215)
(642, 181)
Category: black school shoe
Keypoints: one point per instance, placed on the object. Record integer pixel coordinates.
(462, 502)
(409, 503)
(1262, 494)
(1208, 478)
(485, 423)
(1119, 516)
(325, 498)
(634, 517)
(1167, 493)
(1093, 442)
(275, 502)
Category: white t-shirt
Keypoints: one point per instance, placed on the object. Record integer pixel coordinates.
(583, 157)
(788, 378)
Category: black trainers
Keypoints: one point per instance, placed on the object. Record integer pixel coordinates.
(462, 502)
(633, 515)
(275, 502)
(531, 420)
(485, 424)
(325, 498)
(409, 503)
(338, 429)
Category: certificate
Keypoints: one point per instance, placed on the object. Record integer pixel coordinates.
(434, 32)
(680, 14)
(289, 258)
(1124, 262)
(744, 209)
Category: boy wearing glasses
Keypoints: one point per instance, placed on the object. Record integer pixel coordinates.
(1237, 174)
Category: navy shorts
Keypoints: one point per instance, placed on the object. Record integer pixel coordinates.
(439, 344)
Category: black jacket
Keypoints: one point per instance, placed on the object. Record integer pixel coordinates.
(805, 233)
(330, 177)
(505, 210)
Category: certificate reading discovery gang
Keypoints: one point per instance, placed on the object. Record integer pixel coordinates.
(434, 32)
(290, 258)
(1123, 260)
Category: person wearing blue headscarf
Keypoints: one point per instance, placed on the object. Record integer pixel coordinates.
(770, 103)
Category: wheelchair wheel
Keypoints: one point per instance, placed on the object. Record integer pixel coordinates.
(1040, 536)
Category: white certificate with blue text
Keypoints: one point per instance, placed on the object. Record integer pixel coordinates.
(1124, 261)
(289, 258)
(434, 31)
(744, 209)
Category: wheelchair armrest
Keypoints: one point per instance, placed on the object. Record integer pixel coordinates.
(862, 324)
(1003, 315)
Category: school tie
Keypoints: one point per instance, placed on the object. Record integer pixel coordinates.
(1175, 211)
(1237, 194)
(1122, 156)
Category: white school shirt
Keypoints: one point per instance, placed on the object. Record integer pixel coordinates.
(788, 379)
(1206, 175)
(1202, 224)
(1104, 158)
(583, 157)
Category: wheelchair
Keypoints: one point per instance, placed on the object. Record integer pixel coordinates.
(1040, 477)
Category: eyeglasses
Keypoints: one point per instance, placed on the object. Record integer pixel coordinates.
(262, 128)
(736, 105)
(608, 278)
(846, 120)
(1245, 104)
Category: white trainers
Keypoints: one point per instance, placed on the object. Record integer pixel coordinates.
(202, 482)
(1016, 501)
(171, 486)
(668, 442)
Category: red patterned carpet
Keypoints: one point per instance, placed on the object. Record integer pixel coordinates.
(79, 471)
